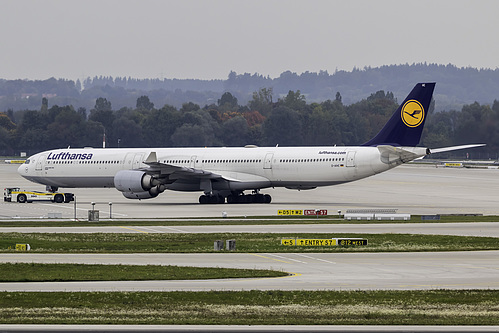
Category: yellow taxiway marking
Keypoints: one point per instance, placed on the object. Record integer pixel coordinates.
(145, 232)
(257, 255)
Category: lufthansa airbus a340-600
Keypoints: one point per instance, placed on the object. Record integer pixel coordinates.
(223, 174)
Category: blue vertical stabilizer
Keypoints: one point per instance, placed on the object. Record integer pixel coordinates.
(406, 125)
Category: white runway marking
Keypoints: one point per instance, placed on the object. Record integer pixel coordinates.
(313, 258)
(285, 258)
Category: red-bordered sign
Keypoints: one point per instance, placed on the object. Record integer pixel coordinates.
(315, 212)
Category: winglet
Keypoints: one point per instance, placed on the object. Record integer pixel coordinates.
(406, 125)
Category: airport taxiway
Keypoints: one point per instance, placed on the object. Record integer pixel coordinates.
(309, 271)
(410, 189)
(479, 229)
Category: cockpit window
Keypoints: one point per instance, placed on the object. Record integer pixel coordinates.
(27, 161)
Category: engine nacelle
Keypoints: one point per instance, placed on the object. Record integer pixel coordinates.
(139, 195)
(132, 181)
(137, 184)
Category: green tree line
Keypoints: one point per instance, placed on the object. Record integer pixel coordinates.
(455, 87)
(263, 121)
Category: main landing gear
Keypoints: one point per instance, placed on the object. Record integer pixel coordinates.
(250, 198)
(211, 199)
(238, 198)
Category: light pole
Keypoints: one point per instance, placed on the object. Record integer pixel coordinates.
(110, 211)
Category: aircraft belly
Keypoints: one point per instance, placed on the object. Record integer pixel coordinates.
(363, 163)
(321, 176)
(77, 175)
(86, 181)
(248, 185)
(305, 184)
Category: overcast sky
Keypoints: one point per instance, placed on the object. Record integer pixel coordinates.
(206, 39)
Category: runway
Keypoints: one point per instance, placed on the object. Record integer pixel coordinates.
(309, 271)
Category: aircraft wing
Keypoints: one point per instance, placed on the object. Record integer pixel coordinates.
(176, 171)
(180, 172)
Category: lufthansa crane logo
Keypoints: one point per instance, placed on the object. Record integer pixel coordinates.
(412, 113)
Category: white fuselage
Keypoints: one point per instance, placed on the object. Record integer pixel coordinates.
(245, 168)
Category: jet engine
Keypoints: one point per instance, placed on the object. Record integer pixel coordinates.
(137, 184)
(138, 195)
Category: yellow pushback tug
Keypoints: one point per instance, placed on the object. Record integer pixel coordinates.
(14, 194)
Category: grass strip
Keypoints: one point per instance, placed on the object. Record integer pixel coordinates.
(239, 220)
(433, 307)
(245, 242)
(32, 272)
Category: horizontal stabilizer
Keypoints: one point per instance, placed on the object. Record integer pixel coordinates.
(399, 155)
(444, 149)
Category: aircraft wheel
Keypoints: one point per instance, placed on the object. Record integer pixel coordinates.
(203, 199)
(211, 199)
(259, 198)
(21, 198)
(58, 198)
(268, 198)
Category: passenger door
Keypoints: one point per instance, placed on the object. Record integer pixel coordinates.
(351, 159)
(267, 162)
(40, 163)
